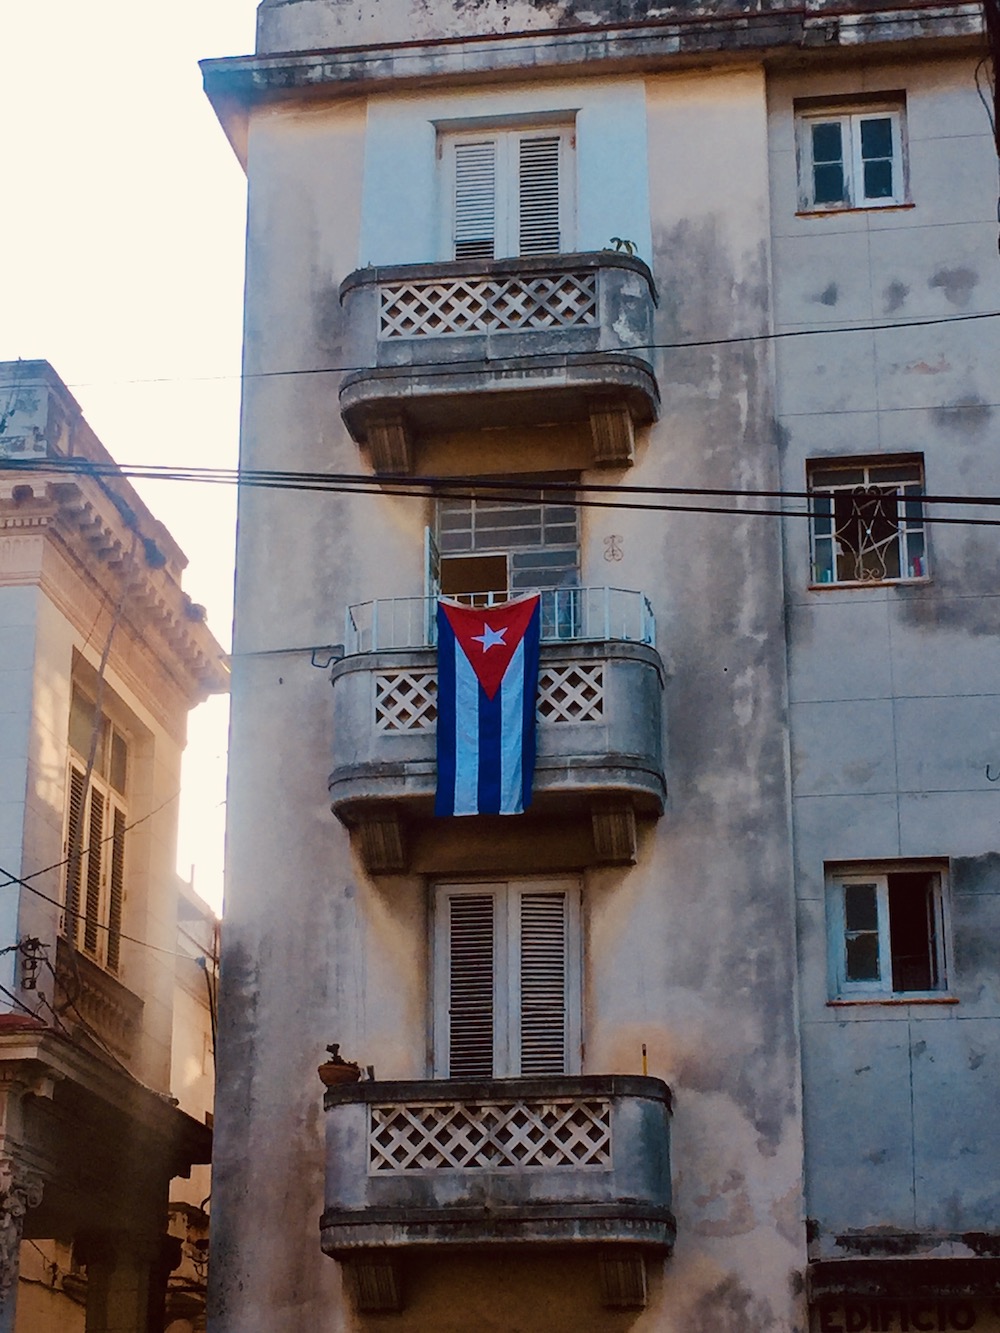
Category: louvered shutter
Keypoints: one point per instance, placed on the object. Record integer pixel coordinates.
(471, 958)
(543, 983)
(116, 890)
(95, 850)
(538, 195)
(75, 844)
(475, 199)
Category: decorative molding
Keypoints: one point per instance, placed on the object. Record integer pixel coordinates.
(20, 1189)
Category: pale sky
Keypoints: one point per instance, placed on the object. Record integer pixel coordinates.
(122, 228)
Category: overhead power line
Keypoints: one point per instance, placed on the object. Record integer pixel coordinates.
(438, 487)
(473, 365)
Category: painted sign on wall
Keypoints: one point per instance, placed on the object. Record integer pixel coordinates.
(887, 1316)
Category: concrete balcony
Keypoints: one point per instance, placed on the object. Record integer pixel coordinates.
(515, 1162)
(599, 764)
(516, 342)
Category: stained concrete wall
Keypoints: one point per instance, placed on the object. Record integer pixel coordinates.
(305, 25)
(893, 690)
(692, 951)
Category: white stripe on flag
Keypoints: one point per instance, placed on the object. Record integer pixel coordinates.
(511, 739)
(466, 736)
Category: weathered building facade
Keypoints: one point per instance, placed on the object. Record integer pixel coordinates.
(708, 1038)
(103, 655)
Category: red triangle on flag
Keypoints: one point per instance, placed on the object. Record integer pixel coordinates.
(489, 635)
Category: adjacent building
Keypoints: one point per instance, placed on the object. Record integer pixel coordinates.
(103, 655)
(684, 318)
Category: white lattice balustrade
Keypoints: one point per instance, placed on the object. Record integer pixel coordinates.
(407, 700)
(571, 694)
(490, 1136)
(487, 305)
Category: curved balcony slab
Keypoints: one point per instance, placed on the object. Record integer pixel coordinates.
(517, 342)
(523, 1161)
(599, 751)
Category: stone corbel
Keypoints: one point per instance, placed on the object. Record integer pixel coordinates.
(381, 841)
(622, 1274)
(613, 824)
(375, 1283)
(390, 442)
(612, 433)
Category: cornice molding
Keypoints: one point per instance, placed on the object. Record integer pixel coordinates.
(81, 523)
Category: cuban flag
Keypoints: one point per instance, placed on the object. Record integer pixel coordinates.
(487, 682)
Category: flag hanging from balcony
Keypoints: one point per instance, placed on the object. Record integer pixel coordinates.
(487, 683)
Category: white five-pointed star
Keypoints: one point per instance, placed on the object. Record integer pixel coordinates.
(490, 637)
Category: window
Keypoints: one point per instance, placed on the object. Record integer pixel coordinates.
(867, 521)
(507, 979)
(510, 192)
(851, 157)
(887, 930)
(493, 549)
(96, 821)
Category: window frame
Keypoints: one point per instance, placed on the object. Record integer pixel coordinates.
(94, 902)
(507, 900)
(507, 180)
(850, 116)
(912, 544)
(882, 989)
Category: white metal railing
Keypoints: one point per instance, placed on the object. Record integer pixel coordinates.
(568, 615)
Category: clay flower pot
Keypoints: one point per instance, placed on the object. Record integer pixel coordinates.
(336, 1070)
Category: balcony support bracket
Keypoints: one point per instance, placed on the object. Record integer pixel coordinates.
(375, 1283)
(614, 830)
(622, 1274)
(390, 442)
(613, 433)
(381, 842)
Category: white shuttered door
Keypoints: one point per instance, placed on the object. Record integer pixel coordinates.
(511, 193)
(507, 984)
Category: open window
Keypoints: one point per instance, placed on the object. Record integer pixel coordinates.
(886, 930)
(850, 156)
(489, 550)
(507, 979)
(867, 521)
(509, 192)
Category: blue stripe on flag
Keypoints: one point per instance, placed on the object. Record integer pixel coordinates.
(490, 738)
(444, 800)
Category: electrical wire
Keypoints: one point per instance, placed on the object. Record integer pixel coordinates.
(468, 488)
(132, 939)
(473, 365)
